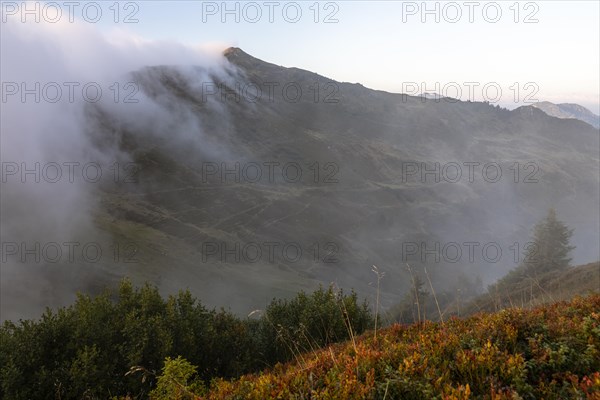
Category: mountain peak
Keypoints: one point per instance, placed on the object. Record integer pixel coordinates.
(234, 52)
(237, 56)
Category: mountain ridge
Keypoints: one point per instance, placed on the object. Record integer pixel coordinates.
(562, 110)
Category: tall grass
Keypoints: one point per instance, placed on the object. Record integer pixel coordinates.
(434, 297)
(416, 289)
(380, 275)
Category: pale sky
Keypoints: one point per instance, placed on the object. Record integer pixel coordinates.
(385, 45)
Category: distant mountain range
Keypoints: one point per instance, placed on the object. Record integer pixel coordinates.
(359, 178)
(569, 110)
(563, 110)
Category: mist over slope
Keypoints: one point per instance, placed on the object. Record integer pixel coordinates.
(52, 167)
(245, 181)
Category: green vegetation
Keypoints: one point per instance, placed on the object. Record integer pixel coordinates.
(176, 381)
(548, 250)
(104, 346)
(132, 343)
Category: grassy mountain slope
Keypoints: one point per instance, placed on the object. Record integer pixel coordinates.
(547, 288)
(361, 216)
(368, 210)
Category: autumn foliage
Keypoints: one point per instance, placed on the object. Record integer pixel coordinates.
(551, 352)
